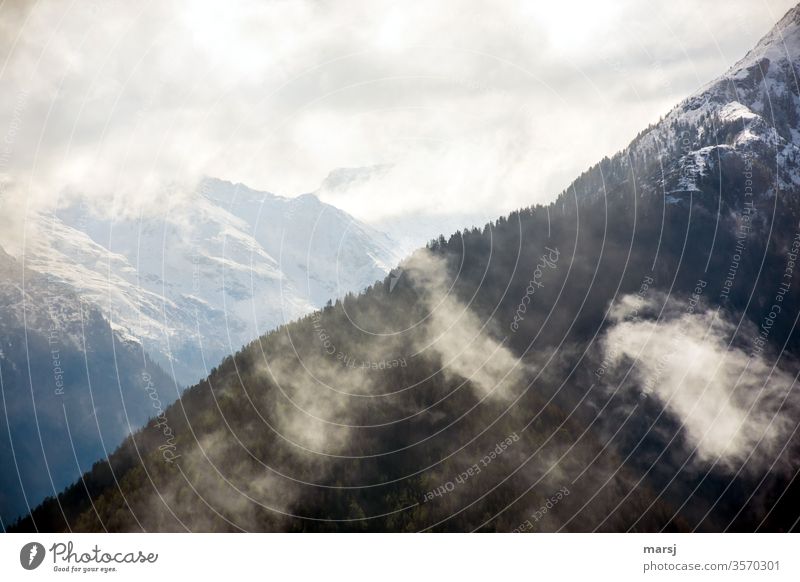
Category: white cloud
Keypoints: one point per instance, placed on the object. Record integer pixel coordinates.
(479, 105)
(460, 340)
(733, 407)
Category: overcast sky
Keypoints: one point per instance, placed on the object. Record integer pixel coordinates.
(479, 107)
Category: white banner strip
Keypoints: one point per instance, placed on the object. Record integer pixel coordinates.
(388, 557)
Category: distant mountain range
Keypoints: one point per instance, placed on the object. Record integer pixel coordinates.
(101, 304)
(623, 359)
(72, 388)
(214, 272)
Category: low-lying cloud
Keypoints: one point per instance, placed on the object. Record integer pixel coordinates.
(734, 407)
(456, 334)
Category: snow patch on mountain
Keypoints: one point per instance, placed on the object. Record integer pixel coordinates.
(754, 108)
(212, 273)
(734, 111)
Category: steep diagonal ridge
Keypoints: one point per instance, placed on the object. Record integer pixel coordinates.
(751, 110)
(613, 361)
(72, 389)
(213, 273)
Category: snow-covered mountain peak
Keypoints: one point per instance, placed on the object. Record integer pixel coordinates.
(734, 111)
(753, 108)
(782, 42)
(752, 111)
(214, 273)
(224, 192)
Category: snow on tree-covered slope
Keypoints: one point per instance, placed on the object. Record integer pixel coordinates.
(754, 108)
(70, 388)
(751, 112)
(213, 272)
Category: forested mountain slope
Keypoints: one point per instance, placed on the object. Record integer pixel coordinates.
(623, 359)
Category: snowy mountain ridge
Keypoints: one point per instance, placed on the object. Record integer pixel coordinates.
(211, 274)
(753, 108)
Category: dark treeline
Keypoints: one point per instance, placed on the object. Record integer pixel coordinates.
(380, 412)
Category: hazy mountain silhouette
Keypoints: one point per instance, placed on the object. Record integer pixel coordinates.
(621, 359)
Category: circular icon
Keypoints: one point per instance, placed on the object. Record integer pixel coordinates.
(31, 555)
